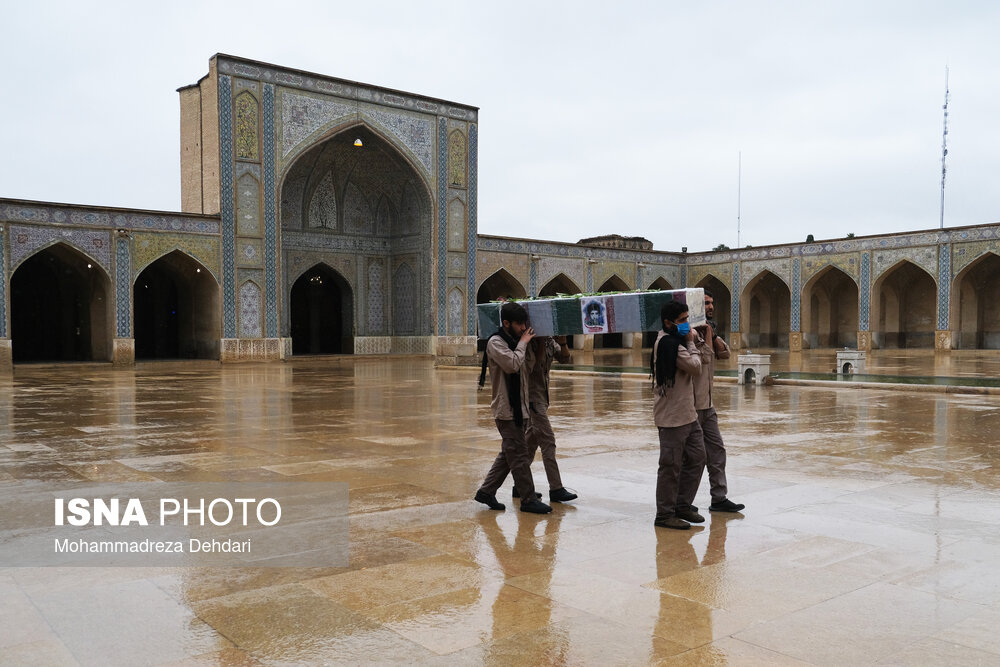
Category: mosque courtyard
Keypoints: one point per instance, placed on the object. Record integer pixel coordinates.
(871, 533)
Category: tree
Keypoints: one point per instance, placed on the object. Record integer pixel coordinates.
(720, 247)
(850, 235)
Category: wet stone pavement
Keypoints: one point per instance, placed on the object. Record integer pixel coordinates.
(870, 534)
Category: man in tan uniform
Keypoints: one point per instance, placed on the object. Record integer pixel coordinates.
(714, 347)
(542, 351)
(505, 357)
(674, 363)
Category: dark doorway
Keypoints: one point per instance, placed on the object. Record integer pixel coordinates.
(321, 308)
(176, 310)
(59, 308)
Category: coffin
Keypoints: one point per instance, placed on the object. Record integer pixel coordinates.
(597, 313)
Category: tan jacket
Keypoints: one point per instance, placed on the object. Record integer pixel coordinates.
(502, 362)
(674, 406)
(539, 367)
(703, 382)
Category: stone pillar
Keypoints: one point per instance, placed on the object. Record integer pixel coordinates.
(588, 342)
(735, 340)
(865, 341)
(942, 340)
(795, 341)
(637, 341)
(123, 352)
(6, 355)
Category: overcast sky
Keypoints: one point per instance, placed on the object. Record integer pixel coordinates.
(595, 117)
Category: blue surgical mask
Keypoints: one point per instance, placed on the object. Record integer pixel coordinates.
(684, 328)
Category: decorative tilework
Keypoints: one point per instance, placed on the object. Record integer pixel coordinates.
(403, 288)
(456, 311)
(250, 253)
(26, 240)
(416, 134)
(248, 205)
(721, 272)
(376, 297)
(456, 264)
(944, 286)
(473, 228)
(147, 248)
(796, 324)
(297, 263)
(456, 159)
(780, 267)
(228, 213)
(489, 263)
(302, 116)
(250, 310)
(848, 263)
(926, 257)
(602, 271)
(734, 312)
(328, 85)
(590, 277)
(123, 289)
(247, 127)
(456, 224)
(112, 218)
(864, 302)
(270, 217)
(964, 254)
(532, 278)
(442, 222)
(550, 267)
(362, 245)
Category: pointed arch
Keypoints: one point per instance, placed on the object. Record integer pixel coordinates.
(559, 284)
(722, 300)
(321, 312)
(975, 304)
(614, 283)
(60, 307)
(830, 309)
(176, 309)
(660, 283)
(501, 284)
(766, 317)
(904, 307)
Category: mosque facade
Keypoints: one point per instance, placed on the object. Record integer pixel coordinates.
(324, 216)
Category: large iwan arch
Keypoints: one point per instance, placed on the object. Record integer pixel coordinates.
(830, 310)
(766, 312)
(904, 307)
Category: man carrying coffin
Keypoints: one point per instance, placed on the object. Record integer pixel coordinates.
(674, 363)
(505, 356)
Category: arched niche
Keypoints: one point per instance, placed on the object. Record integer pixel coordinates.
(322, 313)
(176, 310)
(560, 284)
(766, 319)
(723, 301)
(60, 307)
(904, 307)
(500, 285)
(975, 304)
(830, 310)
(611, 340)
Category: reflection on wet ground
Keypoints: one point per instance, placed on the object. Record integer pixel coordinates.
(870, 534)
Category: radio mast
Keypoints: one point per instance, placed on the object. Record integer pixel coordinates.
(944, 144)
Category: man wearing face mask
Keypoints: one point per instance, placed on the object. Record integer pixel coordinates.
(674, 364)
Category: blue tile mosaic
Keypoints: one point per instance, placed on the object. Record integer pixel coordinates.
(864, 302)
(227, 194)
(442, 239)
(123, 288)
(944, 286)
(473, 229)
(734, 312)
(270, 218)
(796, 324)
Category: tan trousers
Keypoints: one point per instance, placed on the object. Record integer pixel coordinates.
(540, 436)
(513, 459)
(682, 461)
